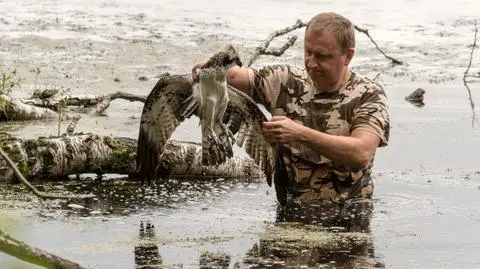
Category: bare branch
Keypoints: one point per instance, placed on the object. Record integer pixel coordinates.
(107, 99)
(33, 255)
(32, 188)
(282, 49)
(262, 49)
(465, 74)
(365, 31)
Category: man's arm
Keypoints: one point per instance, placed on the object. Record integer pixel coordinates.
(238, 78)
(355, 150)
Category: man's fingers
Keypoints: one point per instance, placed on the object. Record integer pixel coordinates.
(197, 66)
(275, 121)
(278, 118)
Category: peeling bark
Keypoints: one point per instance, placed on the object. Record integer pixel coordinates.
(14, 109)
(56, 158)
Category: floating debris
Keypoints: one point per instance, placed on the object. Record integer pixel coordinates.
(416, 97)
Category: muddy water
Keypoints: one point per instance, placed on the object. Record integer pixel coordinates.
(425, 211)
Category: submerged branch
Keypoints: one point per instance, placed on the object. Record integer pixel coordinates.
(465, 74)
(33, 255)
(365, 31)
(38, 193)
(263, 48)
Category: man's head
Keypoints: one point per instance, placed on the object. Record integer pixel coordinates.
(329, 48)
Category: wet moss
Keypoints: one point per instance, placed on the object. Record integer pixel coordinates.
(120, 154)
(5, 108)
(17, 158)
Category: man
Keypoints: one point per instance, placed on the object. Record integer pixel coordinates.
(330, 118)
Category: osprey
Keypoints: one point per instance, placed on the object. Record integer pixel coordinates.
(227, 116)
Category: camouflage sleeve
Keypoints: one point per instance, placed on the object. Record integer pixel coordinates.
(265, 83)
(371, 113)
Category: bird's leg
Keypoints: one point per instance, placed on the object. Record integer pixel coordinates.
(227, 132)
(212, 152)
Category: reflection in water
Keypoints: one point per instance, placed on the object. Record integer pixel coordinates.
(124, 197)
(324, 235)
(319, 235)
(314, 235)
(216, 260)
(146, 252)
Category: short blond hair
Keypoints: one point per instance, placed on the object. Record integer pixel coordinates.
(341, 27)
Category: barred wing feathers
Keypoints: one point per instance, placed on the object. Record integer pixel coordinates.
(245, 119)
(168, 104)
(175, 98)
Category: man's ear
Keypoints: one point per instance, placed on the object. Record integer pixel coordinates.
(349, 55)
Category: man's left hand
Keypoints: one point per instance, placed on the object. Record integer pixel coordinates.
(280, 129)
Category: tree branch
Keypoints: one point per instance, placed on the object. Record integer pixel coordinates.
(33, 189)
(105, 101)
(465, 74)
(365, 31)
(262, 49)
(33, 255)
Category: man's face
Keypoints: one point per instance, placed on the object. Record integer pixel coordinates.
(325, 61)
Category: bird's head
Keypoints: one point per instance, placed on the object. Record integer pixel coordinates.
(218, 64)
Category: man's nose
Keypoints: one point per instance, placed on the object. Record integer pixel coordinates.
(311, 63)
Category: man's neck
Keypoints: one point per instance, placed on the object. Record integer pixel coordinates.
(339, 85)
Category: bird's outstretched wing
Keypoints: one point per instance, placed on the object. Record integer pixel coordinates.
(244, 118)
(173, 99)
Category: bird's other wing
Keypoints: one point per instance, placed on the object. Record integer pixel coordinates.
(245, 119)
(173, 99)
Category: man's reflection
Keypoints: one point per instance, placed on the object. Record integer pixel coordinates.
(320, 234)
(146, 252)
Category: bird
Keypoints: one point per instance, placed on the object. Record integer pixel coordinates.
(227, 116)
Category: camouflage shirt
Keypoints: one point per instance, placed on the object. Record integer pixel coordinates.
(360, 104)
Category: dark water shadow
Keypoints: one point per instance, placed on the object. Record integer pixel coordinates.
(118, 197)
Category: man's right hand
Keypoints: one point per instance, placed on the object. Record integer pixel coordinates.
(195, 67)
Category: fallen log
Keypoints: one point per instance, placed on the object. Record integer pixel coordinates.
(13, 109)
(90, 104)
(55, 158)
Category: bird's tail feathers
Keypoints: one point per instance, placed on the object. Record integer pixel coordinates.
(216, 148)
(147, 158)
